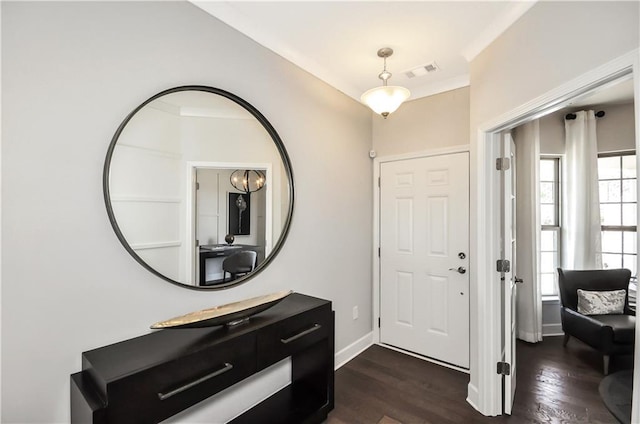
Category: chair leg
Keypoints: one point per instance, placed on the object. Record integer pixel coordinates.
(606, 359)
(566, 340)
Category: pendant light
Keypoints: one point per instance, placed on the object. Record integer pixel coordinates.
(386, 99)
(248, 180)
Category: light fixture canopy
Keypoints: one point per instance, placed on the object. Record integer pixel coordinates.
(387, 98)
(248, 180)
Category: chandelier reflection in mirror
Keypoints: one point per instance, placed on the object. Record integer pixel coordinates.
(248, 180)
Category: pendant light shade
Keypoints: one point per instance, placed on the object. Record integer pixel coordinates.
(388, 98)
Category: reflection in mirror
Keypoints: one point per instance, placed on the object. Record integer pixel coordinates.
(170, 194)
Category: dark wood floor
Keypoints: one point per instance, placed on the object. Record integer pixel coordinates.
(554, 385)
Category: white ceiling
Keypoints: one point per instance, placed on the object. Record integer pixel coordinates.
(337, 41)
(614, 93)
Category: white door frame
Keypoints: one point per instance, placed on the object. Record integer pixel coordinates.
(191, 167)
(485, 242)
(376, 220)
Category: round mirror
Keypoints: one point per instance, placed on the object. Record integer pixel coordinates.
(198, 187)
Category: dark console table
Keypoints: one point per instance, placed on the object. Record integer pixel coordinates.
(153, 377)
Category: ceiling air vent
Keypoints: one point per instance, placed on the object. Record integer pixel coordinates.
(422, 70)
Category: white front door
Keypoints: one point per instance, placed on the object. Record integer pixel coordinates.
(424, 256)
(508, 277)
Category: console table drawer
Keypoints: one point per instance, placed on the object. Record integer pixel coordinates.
(166, 389)
(292, 335)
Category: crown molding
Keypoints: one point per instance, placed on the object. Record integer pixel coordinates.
(496, 28)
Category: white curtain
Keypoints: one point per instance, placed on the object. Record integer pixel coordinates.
(528, 297)
(581, 238)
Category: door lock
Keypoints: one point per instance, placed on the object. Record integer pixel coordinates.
(461, 255)
(460, 269)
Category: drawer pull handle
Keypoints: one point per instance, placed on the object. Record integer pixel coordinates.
(227, 367)
(301, 334)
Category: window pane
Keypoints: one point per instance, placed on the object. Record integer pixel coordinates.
(609, 168)
(630, 242)
(610, 214)
(548, 262)
(547, 215)
(610, 191)
(630, 262)
(547, 169)
(629, 193)
(546, 193)
(629, 166)
(548, 284)
(611, 261)
(629, 214)
(612, 241)
(548, 240)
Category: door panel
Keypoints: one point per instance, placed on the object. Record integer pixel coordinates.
(424, 225)
(508, 278)
(404, 214)
(437, 208)
(438, 304)
(404, 295)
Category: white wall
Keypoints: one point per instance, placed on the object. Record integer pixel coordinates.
(554, 42)
(71, 73)
(209, 207)
(145, 185)
(428, 123)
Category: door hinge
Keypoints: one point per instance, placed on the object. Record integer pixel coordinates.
(378, 322)
(502, 164)
(503, 265)
(378, 252)
(197, 186)
(504, 368)
(197, 243)
(378, 182)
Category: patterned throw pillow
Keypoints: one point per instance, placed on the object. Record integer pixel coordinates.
(601, 302)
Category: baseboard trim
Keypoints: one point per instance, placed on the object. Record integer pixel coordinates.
(528, 337)
(473, 396)
(552, 330)
(426, 358)
(353, 350)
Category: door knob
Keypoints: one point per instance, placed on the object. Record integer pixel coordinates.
(518, 280)
(460, 269)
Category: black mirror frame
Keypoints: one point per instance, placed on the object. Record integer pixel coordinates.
(279, 145)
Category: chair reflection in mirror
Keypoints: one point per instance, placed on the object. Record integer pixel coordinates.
(239, 264)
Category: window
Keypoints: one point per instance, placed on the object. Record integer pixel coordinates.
(618, 203)
(550, 224)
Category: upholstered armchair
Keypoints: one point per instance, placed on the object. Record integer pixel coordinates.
(609, 333)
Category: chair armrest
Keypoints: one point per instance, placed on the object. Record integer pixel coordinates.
(593, 332)
(584, 319)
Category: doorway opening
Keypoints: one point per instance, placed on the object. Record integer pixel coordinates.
(487, 395)
(213, 205)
